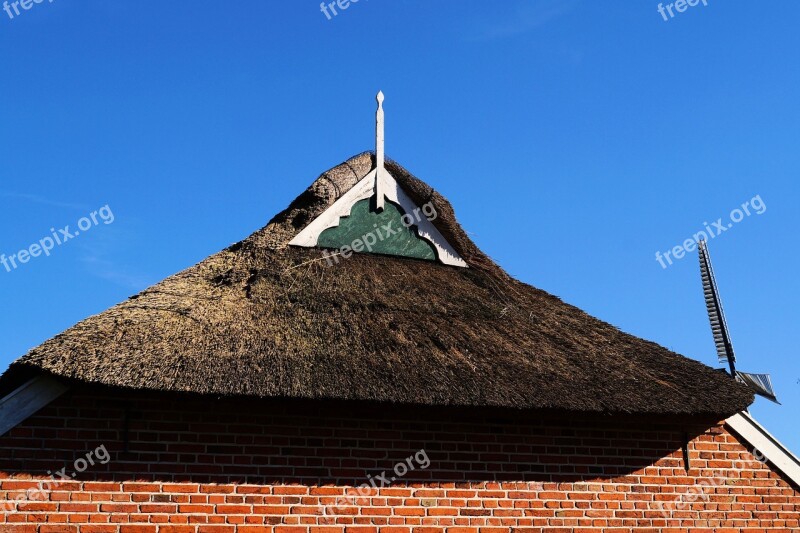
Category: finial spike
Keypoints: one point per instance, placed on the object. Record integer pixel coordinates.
(379, 153)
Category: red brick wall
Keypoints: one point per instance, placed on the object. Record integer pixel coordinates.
(238, 466)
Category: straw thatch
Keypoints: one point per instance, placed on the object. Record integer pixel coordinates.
(268, 320)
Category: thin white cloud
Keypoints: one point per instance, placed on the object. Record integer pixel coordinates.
(107, 270)
(41, 200)
(528, 17)
(97, 251)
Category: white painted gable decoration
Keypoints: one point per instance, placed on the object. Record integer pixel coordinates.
(382, 185)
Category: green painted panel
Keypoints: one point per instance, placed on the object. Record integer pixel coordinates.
(380, 233)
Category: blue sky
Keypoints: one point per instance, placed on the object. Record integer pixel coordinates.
(574, 138)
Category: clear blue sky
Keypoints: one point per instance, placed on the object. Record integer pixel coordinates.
(574, 138)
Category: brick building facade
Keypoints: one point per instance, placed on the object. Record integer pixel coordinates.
(186, 464)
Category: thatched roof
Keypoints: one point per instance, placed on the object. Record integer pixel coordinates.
(268, 320)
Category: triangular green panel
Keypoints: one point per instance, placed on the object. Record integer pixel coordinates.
(380, 233)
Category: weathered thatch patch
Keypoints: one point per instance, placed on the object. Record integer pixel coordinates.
(263, 319)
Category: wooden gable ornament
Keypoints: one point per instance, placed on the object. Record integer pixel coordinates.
(379, 215)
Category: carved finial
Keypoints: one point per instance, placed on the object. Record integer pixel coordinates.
(379, 154)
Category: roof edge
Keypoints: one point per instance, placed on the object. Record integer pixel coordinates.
(27, 399)
(765, 443)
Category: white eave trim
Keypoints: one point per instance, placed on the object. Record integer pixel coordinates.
(27, 400)
(770, 447)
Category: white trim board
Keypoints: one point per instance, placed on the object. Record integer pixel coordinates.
(27, 400)
(770, 447)
(364, 189)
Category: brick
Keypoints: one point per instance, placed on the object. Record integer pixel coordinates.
(200, 467)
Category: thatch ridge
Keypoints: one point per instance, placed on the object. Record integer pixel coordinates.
(264, 319)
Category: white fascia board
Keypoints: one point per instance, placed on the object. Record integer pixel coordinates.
(27, 400)
(770, 447)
